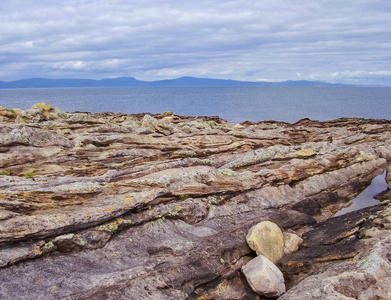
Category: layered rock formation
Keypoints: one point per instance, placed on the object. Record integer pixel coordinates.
(109, 205)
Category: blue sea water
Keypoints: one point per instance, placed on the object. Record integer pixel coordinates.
(234, 104)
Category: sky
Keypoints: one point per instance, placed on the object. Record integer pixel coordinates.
(346, 41)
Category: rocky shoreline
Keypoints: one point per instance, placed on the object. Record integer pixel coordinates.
(117, 206)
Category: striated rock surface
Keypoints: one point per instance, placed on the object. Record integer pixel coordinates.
(109, 205)
(346, 256)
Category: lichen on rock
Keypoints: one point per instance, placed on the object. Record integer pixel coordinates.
(40, 112)
(158, 206)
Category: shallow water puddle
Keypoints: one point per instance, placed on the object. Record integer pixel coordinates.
(366, 197)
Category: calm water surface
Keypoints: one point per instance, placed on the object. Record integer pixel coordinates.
(366, 197)
(235, 104)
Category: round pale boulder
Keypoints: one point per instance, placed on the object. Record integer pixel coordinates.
(266, 239)
(264, 277)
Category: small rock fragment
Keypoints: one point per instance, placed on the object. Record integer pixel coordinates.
(292, 242)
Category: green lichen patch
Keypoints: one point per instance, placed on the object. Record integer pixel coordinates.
(49, 245)
(375, 261)
(79, 240)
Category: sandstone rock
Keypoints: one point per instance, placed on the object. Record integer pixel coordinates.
(155, 125)
(292, 242)
(120, 211)
(264, 277)
(81, 119)
(346, 256)
(40, 112)
(266, 239)
(7, 114)
(30, 136)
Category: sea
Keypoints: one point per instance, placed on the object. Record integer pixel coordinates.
(234, 104)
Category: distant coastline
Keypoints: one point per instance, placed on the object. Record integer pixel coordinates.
(178, 82)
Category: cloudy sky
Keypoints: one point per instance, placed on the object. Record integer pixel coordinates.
(346, 41)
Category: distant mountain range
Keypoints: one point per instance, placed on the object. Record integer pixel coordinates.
(132, 82)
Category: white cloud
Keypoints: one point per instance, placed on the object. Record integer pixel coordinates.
(237, 39)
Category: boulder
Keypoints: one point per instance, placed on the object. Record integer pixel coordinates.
(264, 277)
(6, 114)
(388, 177)
(266, 239)
(40, 112)
(292, 242)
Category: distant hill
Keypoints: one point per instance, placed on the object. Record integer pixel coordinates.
(132, 82)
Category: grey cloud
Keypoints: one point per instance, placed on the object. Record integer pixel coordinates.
(238, 39)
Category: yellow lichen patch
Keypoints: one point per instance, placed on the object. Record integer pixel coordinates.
(334, 257)
(205, 298)
(129, 200)
(60, 218)
(178, 208)
(304, 152)
(221, 181)
(44, 106)
(295, 263)
(26, 194)
(54, 288)
(113, 226)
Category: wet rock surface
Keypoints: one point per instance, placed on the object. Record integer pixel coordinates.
(109, 205)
